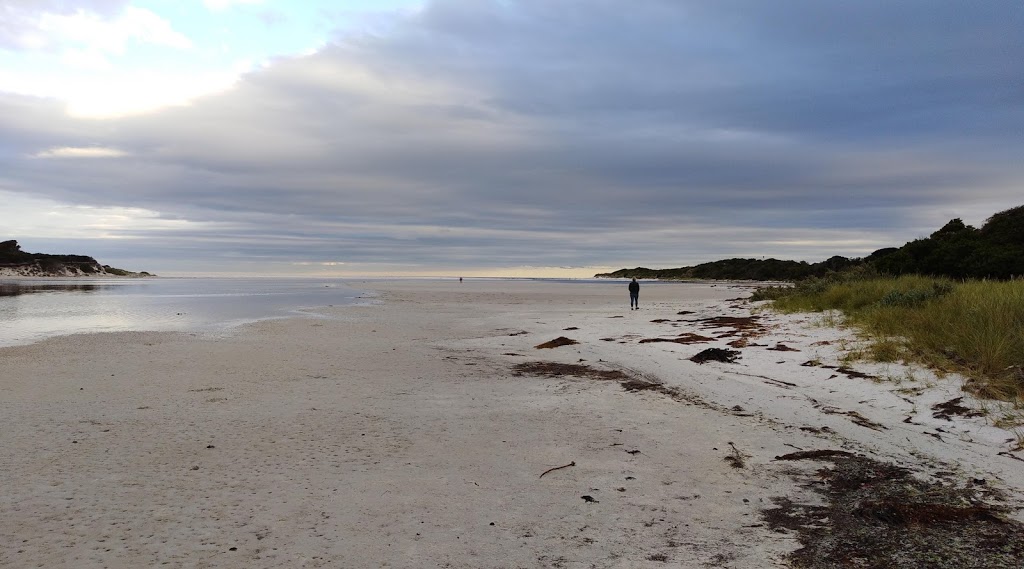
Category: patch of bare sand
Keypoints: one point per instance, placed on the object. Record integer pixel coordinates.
(400, 435)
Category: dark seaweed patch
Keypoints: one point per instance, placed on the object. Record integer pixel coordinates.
(716, 355)
(877, 515)
(557, 342)
(687, 338)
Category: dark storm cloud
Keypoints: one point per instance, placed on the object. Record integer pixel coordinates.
(539, 132)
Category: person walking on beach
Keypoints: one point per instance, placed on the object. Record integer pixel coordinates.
(634, 294)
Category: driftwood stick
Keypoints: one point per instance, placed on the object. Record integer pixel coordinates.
(573, 463)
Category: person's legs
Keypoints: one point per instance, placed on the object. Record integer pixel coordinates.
(634, 300)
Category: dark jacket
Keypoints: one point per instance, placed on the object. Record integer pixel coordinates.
(634, 287)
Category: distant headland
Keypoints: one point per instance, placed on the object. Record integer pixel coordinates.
(957, 251)
(17, 263)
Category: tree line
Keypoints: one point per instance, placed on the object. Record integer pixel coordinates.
(960, 251)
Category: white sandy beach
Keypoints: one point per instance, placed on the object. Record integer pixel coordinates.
(399, 435)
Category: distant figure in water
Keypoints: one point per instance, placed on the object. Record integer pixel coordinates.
(634, 294)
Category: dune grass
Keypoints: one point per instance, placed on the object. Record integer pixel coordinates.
(975, 328)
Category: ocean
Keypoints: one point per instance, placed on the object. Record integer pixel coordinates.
(35, 309)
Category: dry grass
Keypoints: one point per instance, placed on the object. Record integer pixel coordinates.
(974, 328)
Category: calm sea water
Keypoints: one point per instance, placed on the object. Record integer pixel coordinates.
(31, 310)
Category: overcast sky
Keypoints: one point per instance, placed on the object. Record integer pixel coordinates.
(501, 137)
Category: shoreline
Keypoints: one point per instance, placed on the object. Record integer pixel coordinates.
(399, 433)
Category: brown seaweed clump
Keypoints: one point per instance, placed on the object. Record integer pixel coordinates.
(554, 369)
(684, 338)
(716, 355)
(878, 515)
(632, 384)
(557, 342)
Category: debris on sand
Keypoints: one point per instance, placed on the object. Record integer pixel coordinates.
(854, 374)
(573, 463)
(814, 454)
(553, 369)
(878, 515)
(863, 421)
(739, 325)
(735, 458)
(780, 347)
(686, 338)
(716, 355)
(854, 416)
(629, 383)
(557, 342)
(953, 407)
(848, 372)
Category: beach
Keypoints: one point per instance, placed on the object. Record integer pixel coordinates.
(426, 429)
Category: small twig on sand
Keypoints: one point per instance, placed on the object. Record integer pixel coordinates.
(1005, 453)
(735, 459)
(573, 463)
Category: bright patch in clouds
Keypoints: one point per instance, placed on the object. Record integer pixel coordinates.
(28, 217)
(82, 152)
(220, 5)
(111, 58)
(91, 32)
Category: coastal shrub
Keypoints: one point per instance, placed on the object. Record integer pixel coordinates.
(916, 296)
(808, 289)
(975, 328)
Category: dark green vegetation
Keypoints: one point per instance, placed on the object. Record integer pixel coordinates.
(43, 264)
(958, 251)
(877, 515)
(996, 251)
(740, 269)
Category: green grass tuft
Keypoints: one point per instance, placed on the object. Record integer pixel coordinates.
(975, 328)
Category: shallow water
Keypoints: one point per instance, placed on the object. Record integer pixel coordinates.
(34, 309)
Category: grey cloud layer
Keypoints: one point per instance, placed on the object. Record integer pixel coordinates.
(539, 132)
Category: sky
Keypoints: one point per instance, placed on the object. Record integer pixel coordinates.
(501, 137)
